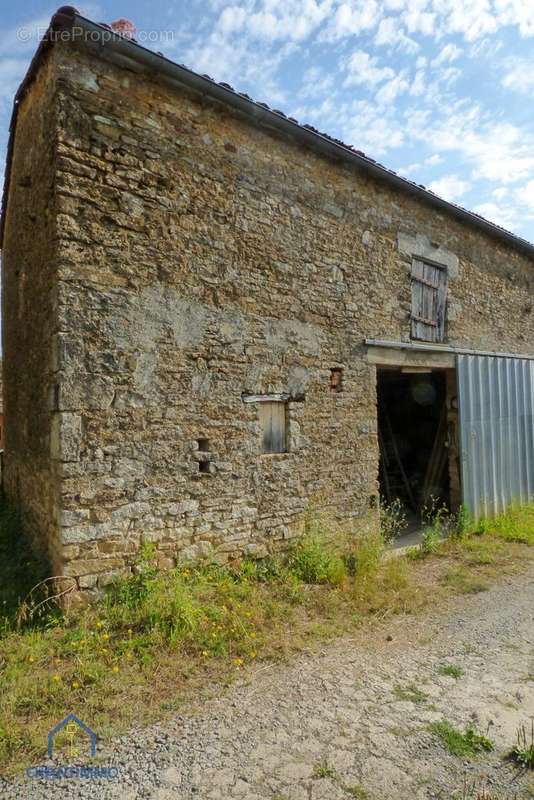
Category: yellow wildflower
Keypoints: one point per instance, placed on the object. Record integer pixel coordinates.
(75, 685)
(115, 668)
(105, 636)
(205, 653)
(56, 678)
(238, 661)
(253, 654)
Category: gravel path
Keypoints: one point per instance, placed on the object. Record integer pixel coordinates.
(335, 724)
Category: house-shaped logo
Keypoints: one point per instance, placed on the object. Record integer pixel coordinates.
(70, 723)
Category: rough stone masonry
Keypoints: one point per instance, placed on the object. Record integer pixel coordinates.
(167, 258)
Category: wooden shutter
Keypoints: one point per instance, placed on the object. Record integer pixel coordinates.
(429, 301)
(273, 422)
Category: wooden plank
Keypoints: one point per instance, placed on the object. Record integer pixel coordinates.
(273, 422)
(425, 321)
(438, 459)
(429, 298)
(426, 282)
(395, 358)
(264, 398)
(278, 427)
(441, 302)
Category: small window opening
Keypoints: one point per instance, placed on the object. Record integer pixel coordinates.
(203, 445)
(273, 420)
(336, 379)
(204, 467)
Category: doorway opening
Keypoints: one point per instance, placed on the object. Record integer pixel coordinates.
(413, 439)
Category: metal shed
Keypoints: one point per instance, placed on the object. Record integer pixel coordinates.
(496, 406)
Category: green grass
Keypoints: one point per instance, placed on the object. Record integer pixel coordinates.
(357, 792)
(515, 525)
(523, 750)
(451, 671)
(312, 562)
(411, 693)
(194, 626)
(323, 770)
(464, 744)
(462, 581)
(158, 641)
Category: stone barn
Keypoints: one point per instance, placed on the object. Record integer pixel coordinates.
(216, 319)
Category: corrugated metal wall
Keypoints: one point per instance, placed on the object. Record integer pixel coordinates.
(496, 405)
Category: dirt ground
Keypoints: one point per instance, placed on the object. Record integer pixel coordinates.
(351, 720)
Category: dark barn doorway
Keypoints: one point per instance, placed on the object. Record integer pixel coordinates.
(412, 432)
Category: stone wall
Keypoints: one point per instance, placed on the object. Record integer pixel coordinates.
(29, 314)
(200, 259)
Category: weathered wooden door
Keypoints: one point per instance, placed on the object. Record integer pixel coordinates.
(429, 301)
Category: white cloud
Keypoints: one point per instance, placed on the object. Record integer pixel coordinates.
(495, 151)
(272, 20)
(353, 18)
(519, 76)
(451, 187)
(389, 33)
(390, 90)
(232, 19)
(526, 195)
(419, 21)
(470, 18)
(475, 19)
(448, 54)
(448, 76)
(418, 86)
(505, 216)
(373, 131)
(485, 48)
(363, 69)
(315, 82)
(431, 161)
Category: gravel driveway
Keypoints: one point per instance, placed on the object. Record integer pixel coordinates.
(349, 721)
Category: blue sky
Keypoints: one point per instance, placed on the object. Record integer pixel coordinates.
(439, 90)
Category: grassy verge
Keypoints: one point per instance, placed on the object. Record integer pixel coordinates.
(462, 743)
(158, 640)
